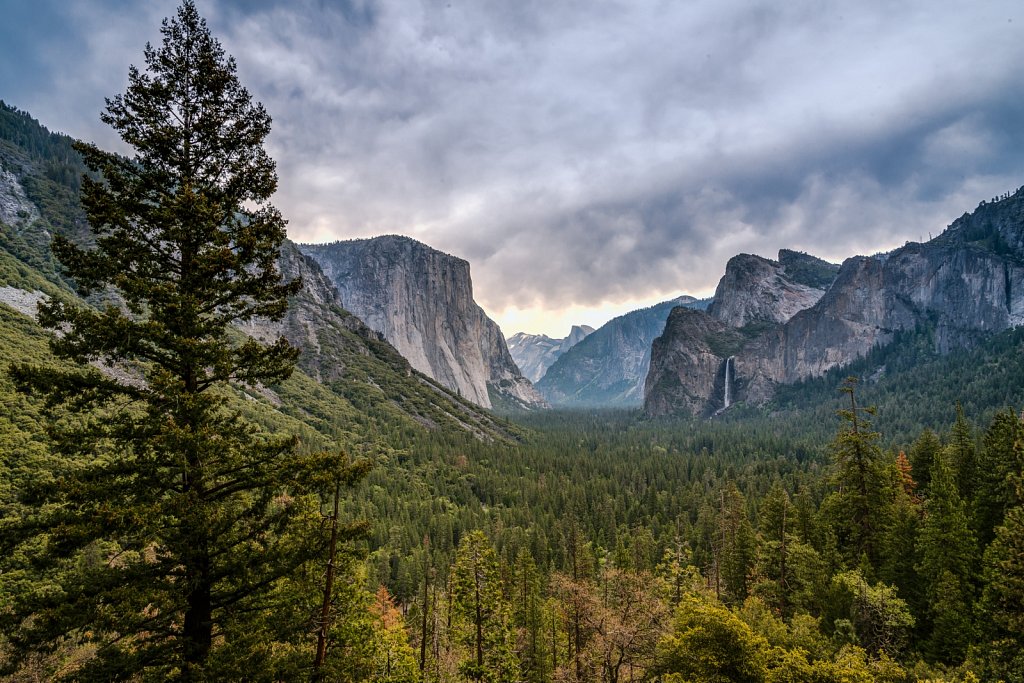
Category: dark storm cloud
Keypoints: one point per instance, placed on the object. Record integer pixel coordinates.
(585, 152)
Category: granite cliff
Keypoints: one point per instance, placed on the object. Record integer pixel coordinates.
(357, 364)
(535, 353)
(756, 289)
(965, 284)
(421, 300)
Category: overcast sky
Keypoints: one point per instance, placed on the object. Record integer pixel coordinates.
(586, 156)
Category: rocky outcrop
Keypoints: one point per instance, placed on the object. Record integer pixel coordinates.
(963, 291)
(689, 364)
(23, 301)
(758, 290)
(314, 320)
(16, 209)
(341, 352)
(963, 285)
(534, 353)
(421, 300)
(609, 367)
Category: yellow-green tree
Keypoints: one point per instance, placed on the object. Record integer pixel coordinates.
(483, 614)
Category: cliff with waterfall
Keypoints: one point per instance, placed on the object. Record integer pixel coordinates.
(779, 322)
(693, 362)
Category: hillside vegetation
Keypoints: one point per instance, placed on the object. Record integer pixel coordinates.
(867, 525)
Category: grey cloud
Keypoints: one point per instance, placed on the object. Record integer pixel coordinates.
(586, 151)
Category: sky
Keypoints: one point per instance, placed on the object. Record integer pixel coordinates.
(587, 157)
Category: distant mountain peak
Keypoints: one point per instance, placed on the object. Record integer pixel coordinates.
(535, 353)
(609, 366)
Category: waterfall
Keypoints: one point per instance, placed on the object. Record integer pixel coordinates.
(728, 382)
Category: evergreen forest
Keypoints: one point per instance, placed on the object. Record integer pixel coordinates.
(179, 501)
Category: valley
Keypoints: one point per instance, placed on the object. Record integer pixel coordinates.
(227, 455)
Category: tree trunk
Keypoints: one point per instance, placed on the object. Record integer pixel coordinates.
(197, 631)
(325, 608)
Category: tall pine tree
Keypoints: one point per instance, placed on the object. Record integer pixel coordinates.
(166, 523)
(482, 612)
(863, 503)
(948, 557)
(998, 464)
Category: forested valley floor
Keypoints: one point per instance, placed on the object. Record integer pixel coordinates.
(179, 501)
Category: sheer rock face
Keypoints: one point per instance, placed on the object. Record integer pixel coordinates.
(421, 300)
(609, 367)
(756, 289)
(964, 291)
(534, 353)
(338, 349)
(966, 283)
(687, 370)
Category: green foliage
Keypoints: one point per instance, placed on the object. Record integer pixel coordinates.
(710, 643)
(1003, 597)
(948, 557)
(999, 474)
(167, 522)
(922, 454)
(737, 547)
(808, 270)
(964, 458)
(881, 620)
(863, 492)
(482, 612)
(729, 342)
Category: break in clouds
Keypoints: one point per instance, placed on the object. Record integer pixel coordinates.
(587, 152)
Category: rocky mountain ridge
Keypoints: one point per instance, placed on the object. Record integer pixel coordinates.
(758, 290)
(421, 300)
(535, 353)
(608, 368)
(966, 283)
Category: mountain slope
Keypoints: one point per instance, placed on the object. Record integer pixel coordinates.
(964, 285)
(534, 353)
(421, 300)
(608, 368)
(351, 385)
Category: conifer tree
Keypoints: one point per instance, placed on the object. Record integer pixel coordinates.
(965, 464)
(483, 612)
(998, 464)
(861, 480)
(948, 555)
(529, 616)
(776, 526)
(899, 538)
(738, 545)
(168, 520)
(922, 455)
(1003, 598)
